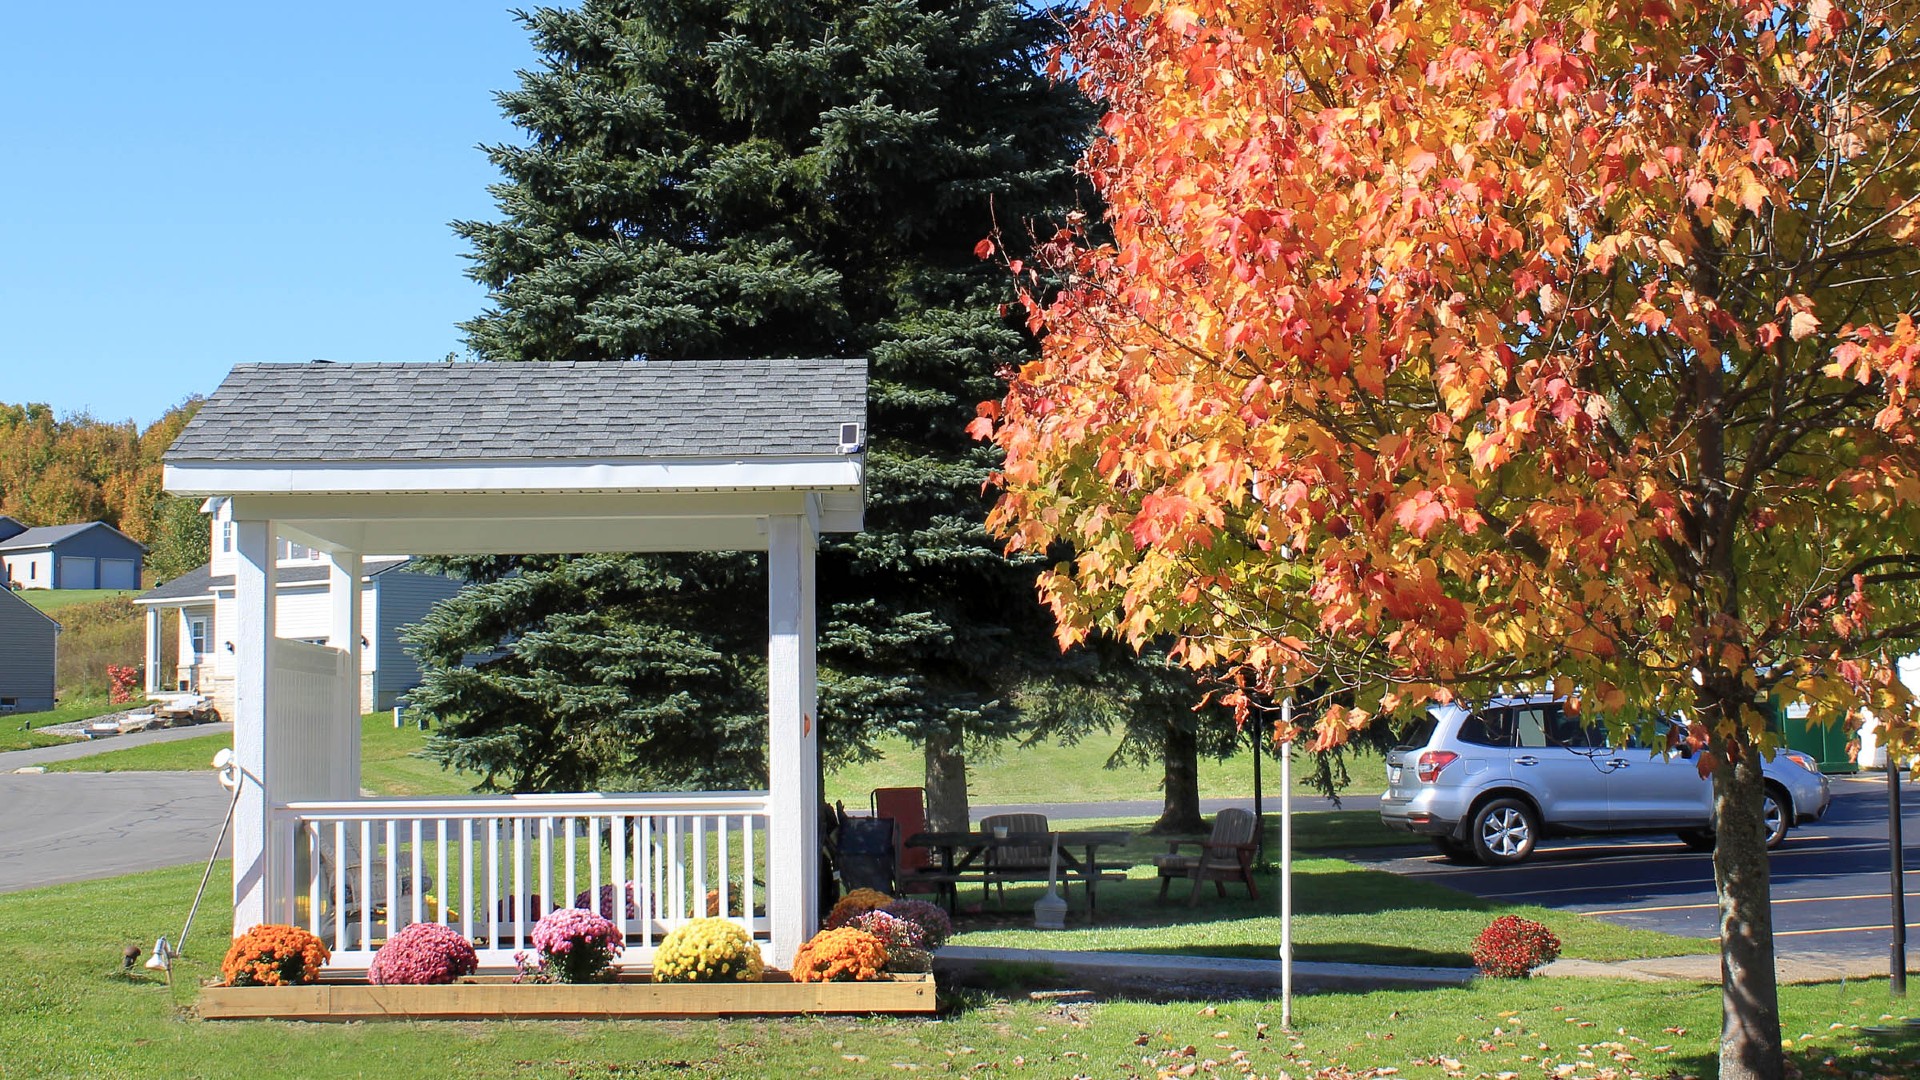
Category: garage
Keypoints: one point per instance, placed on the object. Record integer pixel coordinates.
(76, 572)
(118, 574)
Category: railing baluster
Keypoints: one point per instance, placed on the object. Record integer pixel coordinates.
(366, 884)
(593, 861)
(419, 887)
(312, 830)
(339, 884)
(572, 857)
(466, 879)
(521, 900)
(650, 896)
(726, 867)
(546, 864)
(493, 882)
(746, 873)
(617, 847)
(700, 864)
(442, 883)
(677, 854)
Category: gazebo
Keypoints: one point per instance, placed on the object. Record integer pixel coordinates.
(518, 459)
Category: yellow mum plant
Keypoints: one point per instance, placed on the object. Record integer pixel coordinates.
(707, 950)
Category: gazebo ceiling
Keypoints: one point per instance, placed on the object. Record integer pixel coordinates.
(447, 459)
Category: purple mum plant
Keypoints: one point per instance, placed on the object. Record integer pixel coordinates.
(576, 946)
(423, 954)
(895, 931)
(930, 918)
(602, 905)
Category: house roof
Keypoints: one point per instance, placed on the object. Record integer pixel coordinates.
(200, 583)
(47, 536)
(11, 526)
(673, 409)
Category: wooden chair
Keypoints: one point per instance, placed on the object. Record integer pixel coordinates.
(1015, 863)
(1225, 855)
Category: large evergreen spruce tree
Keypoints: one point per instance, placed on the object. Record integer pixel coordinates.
(766, 178)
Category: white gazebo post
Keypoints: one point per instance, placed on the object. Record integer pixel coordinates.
(154, 659)
(793, 747)
(254, 598)
(345, 631)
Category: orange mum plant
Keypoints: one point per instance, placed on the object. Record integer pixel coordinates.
(855, 904)
(841, 955)
(274, 955)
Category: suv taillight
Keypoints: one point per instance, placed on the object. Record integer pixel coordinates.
(1429, 764)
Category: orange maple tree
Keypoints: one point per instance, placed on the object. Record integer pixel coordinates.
(1443, 346)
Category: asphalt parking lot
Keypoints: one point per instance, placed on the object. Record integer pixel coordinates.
(1830, 894)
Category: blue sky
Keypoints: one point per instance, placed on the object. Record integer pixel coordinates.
(189, 186)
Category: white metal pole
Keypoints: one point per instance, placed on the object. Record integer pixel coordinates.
(1286, 866)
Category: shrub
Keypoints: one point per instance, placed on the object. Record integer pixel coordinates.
(840, 955)
(1511, 947)
(576, 946)
(707, 950)
(274, 955)
(423, 954)
(602, 905)
(857, 902)
(932, 920)
(123, 680)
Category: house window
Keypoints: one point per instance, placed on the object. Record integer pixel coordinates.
(226, 536)
(33, 570)
(197, 631)
(8, 704)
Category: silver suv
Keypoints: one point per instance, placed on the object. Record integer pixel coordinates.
(1488, 784)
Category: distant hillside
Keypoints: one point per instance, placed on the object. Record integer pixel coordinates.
(57, 471)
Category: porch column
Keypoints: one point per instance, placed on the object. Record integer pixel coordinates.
(344, 633)
(153, 650)
(253, 631)
(793, 748)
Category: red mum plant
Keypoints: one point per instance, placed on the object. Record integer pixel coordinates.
(1512, 947)
(423, 954)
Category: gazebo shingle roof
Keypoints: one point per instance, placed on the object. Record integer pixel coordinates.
(528, 411)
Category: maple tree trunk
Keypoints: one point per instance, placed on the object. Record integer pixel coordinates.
(1180, 810)
(1749, 993)
(947, 809)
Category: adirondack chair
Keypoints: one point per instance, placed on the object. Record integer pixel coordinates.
(1225, 855)
(1019, 863)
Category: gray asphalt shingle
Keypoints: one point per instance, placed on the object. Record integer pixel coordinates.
(527, 412)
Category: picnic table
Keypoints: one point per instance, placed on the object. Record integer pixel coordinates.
(964, 856)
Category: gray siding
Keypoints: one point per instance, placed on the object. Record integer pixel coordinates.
(95, 544)
(405, 598)
(27, 643)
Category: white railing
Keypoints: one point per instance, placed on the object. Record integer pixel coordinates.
(490, 866)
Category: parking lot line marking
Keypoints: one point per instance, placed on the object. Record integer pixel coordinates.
(1837, 930)
(1692, 907)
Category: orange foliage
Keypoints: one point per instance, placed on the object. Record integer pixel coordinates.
(840, 955)
(274, 955)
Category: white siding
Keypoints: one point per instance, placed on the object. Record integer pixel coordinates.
(399, 599)
(33, 571)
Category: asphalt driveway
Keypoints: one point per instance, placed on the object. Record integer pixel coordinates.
(1829, 879)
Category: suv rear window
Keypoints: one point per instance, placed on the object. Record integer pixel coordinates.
(1491, 728)
(1418, 735)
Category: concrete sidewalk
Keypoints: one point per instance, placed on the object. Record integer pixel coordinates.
(1123, 972)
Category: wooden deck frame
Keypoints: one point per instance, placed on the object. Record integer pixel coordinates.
(632, 998)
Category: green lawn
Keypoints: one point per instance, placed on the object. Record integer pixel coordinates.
(52, 600)
(67, 1011)
(13, 736)
(1344, 913)
(1036, 774)
(388, 761)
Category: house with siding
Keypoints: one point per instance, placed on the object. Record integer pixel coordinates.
(201, 605)
(91, 555)
(29, 642)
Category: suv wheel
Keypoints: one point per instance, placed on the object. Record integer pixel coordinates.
(1776, 815)
(1453, 850)
(1504, 832)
